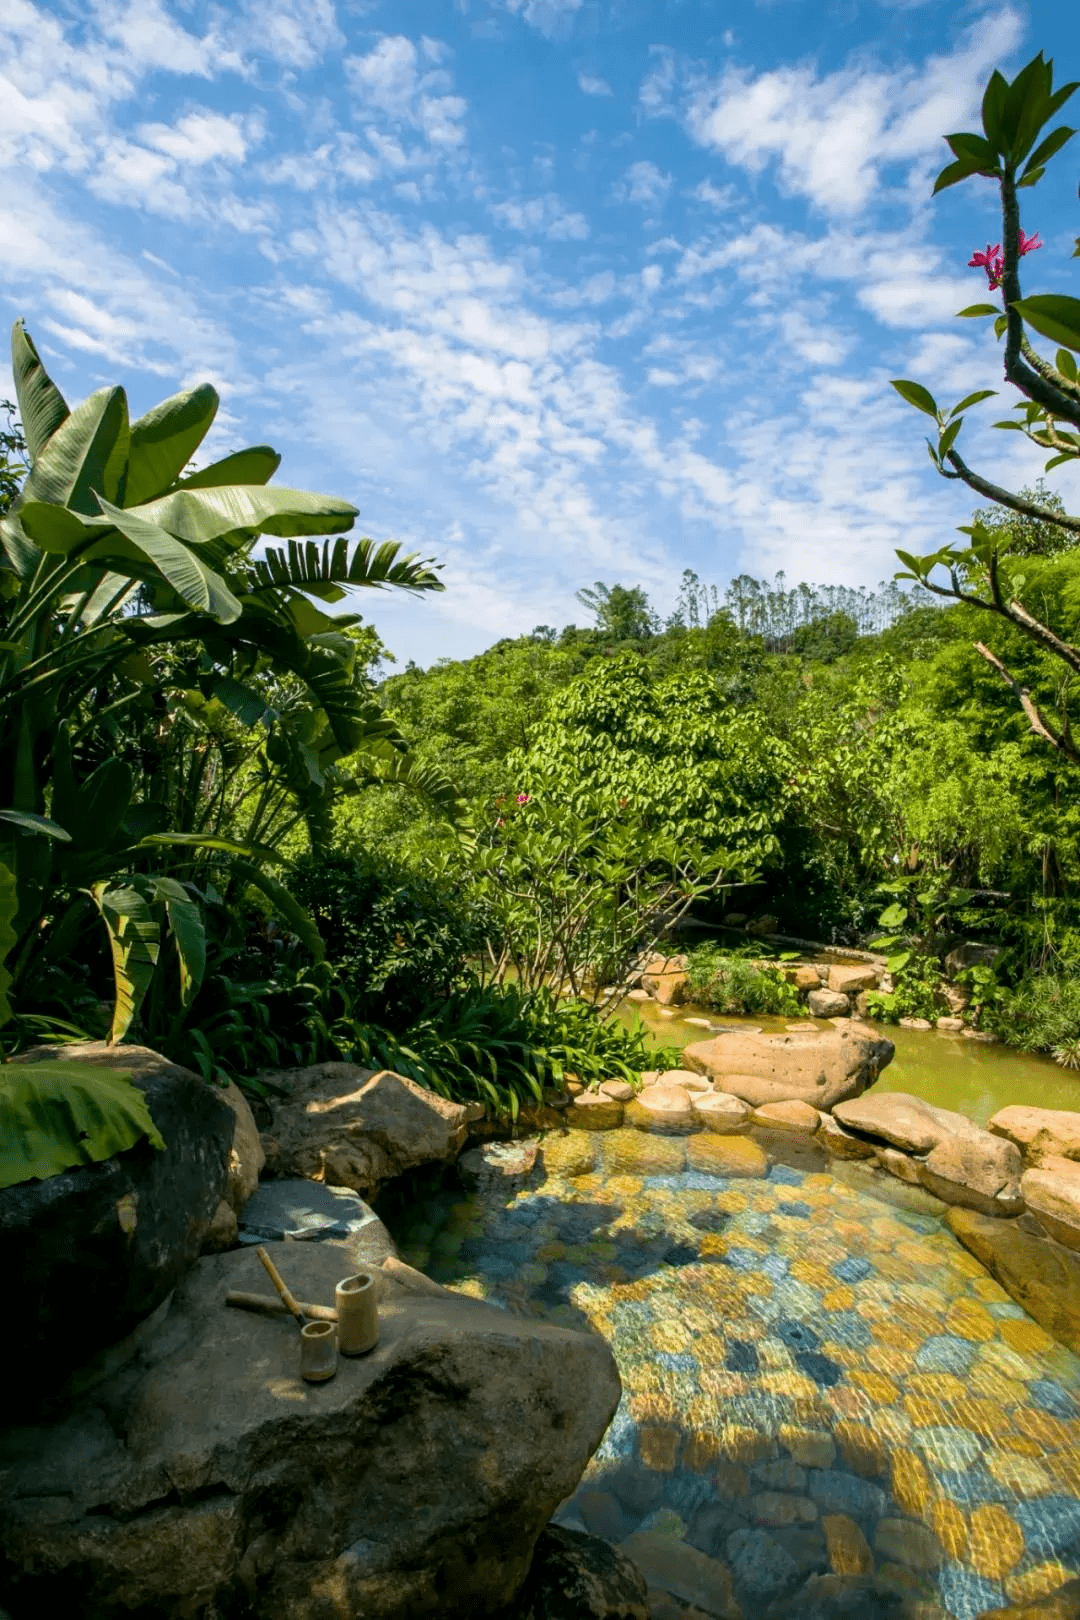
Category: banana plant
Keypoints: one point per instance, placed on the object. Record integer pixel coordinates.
(130, 588)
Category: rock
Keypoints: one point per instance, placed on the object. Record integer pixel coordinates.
(957, 997)
(898, 1164)
(666, 978)
(985, 1035)
(853, 1597)
(915, 1023)
(734, 1156)
(1040, 1276)
(91, 1252)
(970, 954)
(821, 1068)
(221, 1233)
(722, 1112)
(674, 1566)
(842, 1144)
(689, 1079)
(788, 1116)
(806, 978)
(664, 1108)
(246, 1156)
(309, 1212)
(502, 1165)
(579, 1577)
(828, 1004)
(981, 1174)
(801, 1024)
(618, 1090)
(1040, 1133)
(206, 1468)
(903, 1541)
(850, 980)
(763, 926)
(1052, 1193)
(638, 995)
(1064, 1604)
(354, 1128)
(592, 1111)
(904, 1121)
(949, 1026)
(849, 1551)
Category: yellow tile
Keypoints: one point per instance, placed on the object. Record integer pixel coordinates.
(884, 1359)
(910, 1482)
(659, 1448)
(670, 1336)
(995, 1542)
(839, 1299)
(966, 1264)
(898, 1338)
(701, 1451)
(861, 1449)
(924, 1412)
(938, 1386)
(996, 1387)
(1021, 1444)
(1051, 1431)
(849, 1551)
(743, 1445)
(792, 1384)
(812, 1273)
(880, 1389)
(1038, 1582)
(983, 1417)
(970, 1320)
(949, 1524)
(989, 1290)
(655, 1407)
(842, 1354)
(1026, 1337)
(1021, 1474)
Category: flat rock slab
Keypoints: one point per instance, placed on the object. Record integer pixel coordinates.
(822, 1068)
(981, 1173)
(953, 1158)
(673, 1566)
(851, 979)
(307, 1212)
(1040, 1276)
(1040, 1133)
(593, 1111)
(904, 1121)
(1052, 1193)
(734, 1156)
(828, 1004)
(788, 1116)
(207, 1466)
(351, 1127)
(722, 1111)
(666, 1108)
(841, 1144)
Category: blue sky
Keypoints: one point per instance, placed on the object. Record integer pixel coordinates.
(554, 290)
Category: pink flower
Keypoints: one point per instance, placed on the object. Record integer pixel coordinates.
(523, 798)
(1028, 244)
(992, 261)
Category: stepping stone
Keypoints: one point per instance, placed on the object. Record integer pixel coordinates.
(722, 1112)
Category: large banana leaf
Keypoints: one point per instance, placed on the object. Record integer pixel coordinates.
(164, 441)
(42, 407)
(292, 911)
(188, 932)
(427, 781)
(85, 457)
(9, 905)
(199, 515)
(256, 465)
(55, 1115)
(135, 942)
(325, 570)
(188, 575)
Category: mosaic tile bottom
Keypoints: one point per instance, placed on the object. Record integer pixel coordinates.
(814, 1381)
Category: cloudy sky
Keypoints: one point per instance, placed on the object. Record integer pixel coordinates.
(553, 290)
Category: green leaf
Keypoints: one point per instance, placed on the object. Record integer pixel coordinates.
(210, 841)
(101, 804)
(916, 565)
(58, 1114)
(1000, 324)
(9, 905)
(1056, 461)
(1054, 316)
(35, 824)
(948, 438)
(254, 466)
(977, 309)
(42, 407)
(188, 932)
(952, 173)
(1024, 111)
(1030, 178)
(201, 515)
(293, 912)
(973, 399)
(244, 702)
(895, 963)
(973, 149)
(993, 107)
(86, 455)
(55, 529)
(326, 571)
(135, 941)
(893, 916)
(1066, 365)
(916, 395)
(188, 575)
(164, 441)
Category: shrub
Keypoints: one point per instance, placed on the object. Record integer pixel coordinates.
(1041, 1015)
(730, 983)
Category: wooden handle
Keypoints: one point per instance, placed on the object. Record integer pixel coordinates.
(272, 1306)
(279, 1283)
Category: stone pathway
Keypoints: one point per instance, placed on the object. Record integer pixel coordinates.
(816, 1383)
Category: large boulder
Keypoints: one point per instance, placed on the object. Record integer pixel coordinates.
(246, 1156)
(1042, 1277)
(88, 1254)
(666, 978)
(952, 1157)
(849, 979)
(827, 1003)
(580, 1577)
(352, 1127)
(904, 1121)
(207, 1477)
(1052, 1193)
(819, 1067)
(980, 1173)
(1040, 1133)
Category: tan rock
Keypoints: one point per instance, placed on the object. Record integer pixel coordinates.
(840, 1143)
(735, 1156)
(849, 1551)
(592, 1111)
(849, 980)
(689, 1079)
(819, 1068)
(898, 1164)
(788, 1116)
(246, 1156)
(671, 1565)
(665, 1108)
(801, 1024)
(1041, 1276)
(981, 1174)
(828, 1004)
(806, 978)
(915, 1023)
(617, 1090)
(351, 1128)
(722, 1112)
(950, 1026)
(904, 1121)
(666, 978)
(222, 1233)
(1052, 1193)
(1040, 1133)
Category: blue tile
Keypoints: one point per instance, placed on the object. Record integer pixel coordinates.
(797, 1208)
(618, 1442)
(944, 1352)
(1051, 1525)
(743, 1259)
(786, 1176)
(741, 1357)
(796, 1335)
(818, 1367)
(846, 1328)
(853, 1269)
(967, 1595)
(698, 1181)
(1048, 1393)
(970, 1486)
(677, 1361)
(837, 1492)
(774, 1266)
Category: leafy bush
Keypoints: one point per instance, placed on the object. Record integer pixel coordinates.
(728, 982)
(918, 992)
(1041, 1015)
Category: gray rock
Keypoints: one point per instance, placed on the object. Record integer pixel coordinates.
(761, 1566)
(350, 1127)
(90, 1253)
(308, 1212)
(837, 1492)
(415, 1483)
(850, 1597)
(579, 1577)
(246, 1156)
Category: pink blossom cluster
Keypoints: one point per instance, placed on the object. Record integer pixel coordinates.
(993, 260)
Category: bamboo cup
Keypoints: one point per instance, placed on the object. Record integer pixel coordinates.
(318, 1351)
(356, 1300)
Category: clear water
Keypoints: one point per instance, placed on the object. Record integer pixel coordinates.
(972, 1077)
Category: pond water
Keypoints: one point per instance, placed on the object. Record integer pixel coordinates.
(972, 1077)
(816, 1376)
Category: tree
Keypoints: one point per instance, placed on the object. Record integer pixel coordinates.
(622, 613)
(983, 573)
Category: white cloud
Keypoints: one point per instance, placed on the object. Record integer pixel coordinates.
(390, 80)
(297, 33)
(831, 136)
(200, 137)
(549, 17)
(643, 183)
(542, 215)
(590, 85)
(658, 85)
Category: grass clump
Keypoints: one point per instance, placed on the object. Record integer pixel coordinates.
(727, 982)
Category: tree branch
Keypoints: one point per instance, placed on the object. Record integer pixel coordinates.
(1005, 497)
(1061, 740)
